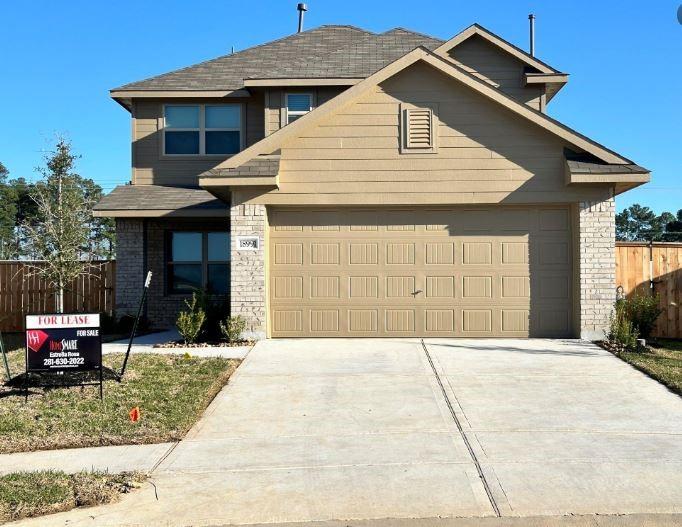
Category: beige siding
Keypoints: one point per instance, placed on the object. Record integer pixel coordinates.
(275, 103)
(273, 107)
(149, 164)
(486, 154)
(493, 65)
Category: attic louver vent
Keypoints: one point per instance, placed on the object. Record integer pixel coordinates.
(418, 130)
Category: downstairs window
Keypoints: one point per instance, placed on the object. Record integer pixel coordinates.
(198, 260)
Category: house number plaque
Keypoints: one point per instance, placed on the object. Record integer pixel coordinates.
(248, 243)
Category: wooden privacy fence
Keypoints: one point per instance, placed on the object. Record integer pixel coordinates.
(639, 266)
(23, 292)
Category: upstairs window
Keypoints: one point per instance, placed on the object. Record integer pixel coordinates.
(419, 130)
(298, 104)
(198, 260)
(200, 129)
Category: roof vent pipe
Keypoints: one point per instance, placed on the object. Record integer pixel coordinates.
(302, 8)
(531, 19)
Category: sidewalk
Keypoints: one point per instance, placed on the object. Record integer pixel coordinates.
(126, 458)
(145, 344)
(596, 520)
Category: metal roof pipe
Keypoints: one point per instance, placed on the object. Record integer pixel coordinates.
(531, 19)
(302, 8)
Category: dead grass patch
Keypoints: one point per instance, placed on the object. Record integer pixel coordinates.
(30, 494)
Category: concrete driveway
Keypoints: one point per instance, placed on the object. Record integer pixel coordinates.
(390, 428)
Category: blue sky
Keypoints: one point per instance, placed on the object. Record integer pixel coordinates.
(61, 58)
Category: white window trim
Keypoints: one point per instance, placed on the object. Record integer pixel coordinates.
(202, 130)
(299, 113)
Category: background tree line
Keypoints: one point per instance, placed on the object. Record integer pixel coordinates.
(637, 223)
(24, 216)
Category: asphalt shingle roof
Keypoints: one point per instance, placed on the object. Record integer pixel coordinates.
(257, 167)
(158, 197)
(326, 51)
(584, 167)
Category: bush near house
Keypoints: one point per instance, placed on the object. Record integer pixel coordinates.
(636, 316)
(191, 321)
(621, 335)
(233, 327)
(632, 318)
(642, 311)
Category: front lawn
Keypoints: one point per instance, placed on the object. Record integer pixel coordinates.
(663, 362)
(171, 391)
(28, 494)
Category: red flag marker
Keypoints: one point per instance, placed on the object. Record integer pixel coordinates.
(134, 414)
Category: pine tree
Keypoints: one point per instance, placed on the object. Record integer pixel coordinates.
(60, 233)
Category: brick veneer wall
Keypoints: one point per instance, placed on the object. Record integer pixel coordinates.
(247, 293)
(129, 265)
(597, 265)
(161, 309)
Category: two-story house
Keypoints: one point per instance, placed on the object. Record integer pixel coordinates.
(339, 182)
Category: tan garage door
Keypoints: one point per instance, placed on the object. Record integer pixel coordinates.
(503, 271)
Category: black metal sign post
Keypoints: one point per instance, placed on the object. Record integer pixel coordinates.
(64, 343)
(147, 281)
(4, 358)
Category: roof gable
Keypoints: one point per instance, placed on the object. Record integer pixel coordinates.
(480, 31)
(274, 141)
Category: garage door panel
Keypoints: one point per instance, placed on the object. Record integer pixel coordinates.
(363, 287)
(324, 321)
(440, 253)
(461, 272)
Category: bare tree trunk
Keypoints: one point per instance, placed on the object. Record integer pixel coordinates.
(59, 298)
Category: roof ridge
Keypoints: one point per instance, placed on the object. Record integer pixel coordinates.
(350, 26)
(373, 39)
(401, 28)
(235, 54)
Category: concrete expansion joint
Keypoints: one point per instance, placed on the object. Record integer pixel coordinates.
(465, 439)
(307, 467)
(164, 456)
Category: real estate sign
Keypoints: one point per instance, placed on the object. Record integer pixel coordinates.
(63, 342)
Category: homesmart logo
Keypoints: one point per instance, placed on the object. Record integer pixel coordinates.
(35, 339)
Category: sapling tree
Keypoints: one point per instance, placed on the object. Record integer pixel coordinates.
(59, 234)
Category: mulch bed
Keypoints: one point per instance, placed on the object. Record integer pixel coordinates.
(218, 344)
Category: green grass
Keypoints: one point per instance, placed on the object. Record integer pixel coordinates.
(171, 391)
(29, 494)
(663, 362)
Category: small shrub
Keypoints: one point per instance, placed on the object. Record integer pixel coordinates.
(642, 311)
(191, 321)
(621, 335)
(233, 327)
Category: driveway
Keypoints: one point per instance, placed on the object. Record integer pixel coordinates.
(362, 429)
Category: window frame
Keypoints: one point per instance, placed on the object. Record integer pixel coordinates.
(298, 113)
(204, 263)
(202, 130)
